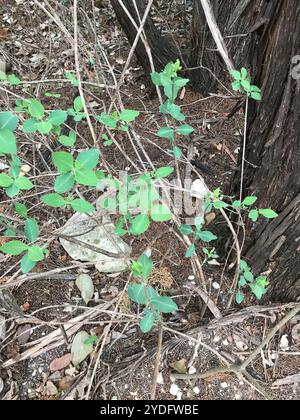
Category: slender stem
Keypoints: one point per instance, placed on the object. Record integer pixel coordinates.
(157, 363)
(244, 149)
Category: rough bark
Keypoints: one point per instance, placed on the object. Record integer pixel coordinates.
(273, 148)
(163, 50)
(204, 61)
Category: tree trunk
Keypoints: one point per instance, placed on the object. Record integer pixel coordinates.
(273, 149)
(163, 50)
(204, 60)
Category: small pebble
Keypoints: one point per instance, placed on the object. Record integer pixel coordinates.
(191, 278)
(196, 390)
(224, 385)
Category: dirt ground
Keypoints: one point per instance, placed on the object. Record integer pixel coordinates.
(38, 50)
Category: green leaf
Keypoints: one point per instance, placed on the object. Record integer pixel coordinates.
(5, 180)
(54, 200)
(7, 142)
(89, 158)
(86, 177)
(58, 117)
(190, 252)
(140, 224)
(69, 140)
(82, 206)
(21, 210)
(129, 115)
(24, 183)
(207, 236)
(236, 204)
(78, 104)
(12, 190)
(30, 126)
(219, 204)
(239, 298)
(147, 322)
(258, 290)
(186, 229)
(246, 85)
(244, 266)
(146, 266)
(268, 213)
(256, 96)
(161, 213)
(242, 281)
(236, 86)
(137, 293)
(31, 230)
(70, 76)
(165, 304)
(249, 201)
(253, 215)
(244, 73)
(35, 253)
(13, 80)
(164, 172)
(156, 79)
(166, 133)
(185, 130)
(13, 248)
(177, 152)
(236, 75)
(249, 276)
(8, 120)
(44, 127)
(63, 161)
(26, 264)
(36, 109)
(64, 183)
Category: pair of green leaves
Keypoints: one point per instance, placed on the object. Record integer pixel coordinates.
(118, 121)
(38, 121)
(243, 81)
(8, 123)
(169, 79)
(199, 235)
(11, 79)
(80, 170)
(13, 182)
(158, 212)
(169, 133)
(31, 227)
(58, 201)
(33, 254)
(257, 285)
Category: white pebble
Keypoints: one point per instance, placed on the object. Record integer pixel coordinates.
(174, 390)
(224, 385)
(216, 286)
(196, 390)
(192, 370)
(191, 278)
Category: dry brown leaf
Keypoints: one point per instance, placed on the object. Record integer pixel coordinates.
(65, 383)
(60, 363)
(23, 333)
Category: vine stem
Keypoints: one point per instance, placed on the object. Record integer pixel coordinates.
(244, 150)
(157, 363)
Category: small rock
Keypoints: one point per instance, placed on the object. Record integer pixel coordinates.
(216, 286)
(191, 278)
(192, 370)
(284, 343)
(225, 343)
(224, 385)
(174, 390)
(160, 379)
(196, 390)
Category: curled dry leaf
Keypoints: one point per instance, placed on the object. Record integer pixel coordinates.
(61, 362)
(86, 286)
(80, 348)
(179, 366)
